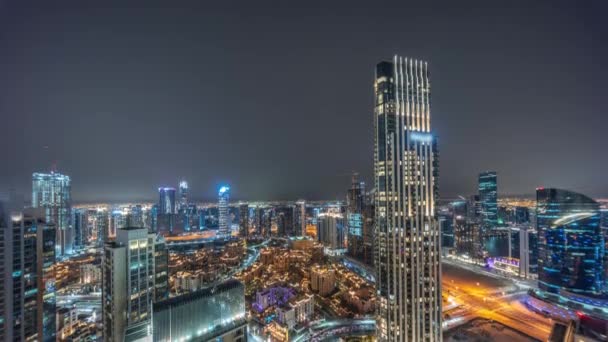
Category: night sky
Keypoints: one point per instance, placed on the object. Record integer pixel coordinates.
(275, 98)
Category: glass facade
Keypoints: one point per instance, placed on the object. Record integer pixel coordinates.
(183, 195)
(355, 202)
(166, 201)
(28, 286)
(224, 215)
(570, 243)
(488, 197)
(46, 286)
(52, 192)
(203, 315)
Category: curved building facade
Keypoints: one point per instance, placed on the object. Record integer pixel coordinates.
(570, 243)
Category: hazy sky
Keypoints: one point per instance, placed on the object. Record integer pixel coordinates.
(275, 98)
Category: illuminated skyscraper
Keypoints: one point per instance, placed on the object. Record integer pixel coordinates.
(244, 220)
(407, 255)
(488, 197)
(128, 285)
(355, 202)
(102, 226)
(300, 218)
(183, 195)
(27, 296)
(79, 226)
(118, 220)
(224, 214)
(570, 243)
(52, 192)
(166, 201)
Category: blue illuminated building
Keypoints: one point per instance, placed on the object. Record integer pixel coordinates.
(488, 196)
(52, 191)
(166, 201)
(355, 203)
(570, 243)
(224, 214)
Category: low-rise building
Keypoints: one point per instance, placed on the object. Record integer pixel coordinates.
(297, 311)
(322, 280)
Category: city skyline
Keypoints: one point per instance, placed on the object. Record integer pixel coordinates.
(193, 171)
(153, 99)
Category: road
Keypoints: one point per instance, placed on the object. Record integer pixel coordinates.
(493, 298)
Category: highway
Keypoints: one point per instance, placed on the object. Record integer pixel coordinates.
(497, 299)
(475, 292)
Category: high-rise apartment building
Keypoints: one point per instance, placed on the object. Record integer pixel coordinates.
(52, 192)
(300, 218)
(407, 246)
(330, 230)
(118, 220)
(27, 296)
(128, 285)
(183, 195)
(161, 269)
(224, 214)
(355, 203)
(244, 220)
(102, 226)
(285, 220)
(80, 228)
(369, 224)
(488, 197)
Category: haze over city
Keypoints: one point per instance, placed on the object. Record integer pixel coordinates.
(343, 171)
(275, 98)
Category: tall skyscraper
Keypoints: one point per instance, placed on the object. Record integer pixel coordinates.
(80, 227)
(369, 224)
(285, 220)
(224, 214)
(244, 220)
(102, 226)
(166, 201)
(52, 192)
(407, 246)
(570, 243)
(300, 218)
(355, 202)
(488, 197)
(183, 195)
(27, 296)
(128, 285)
